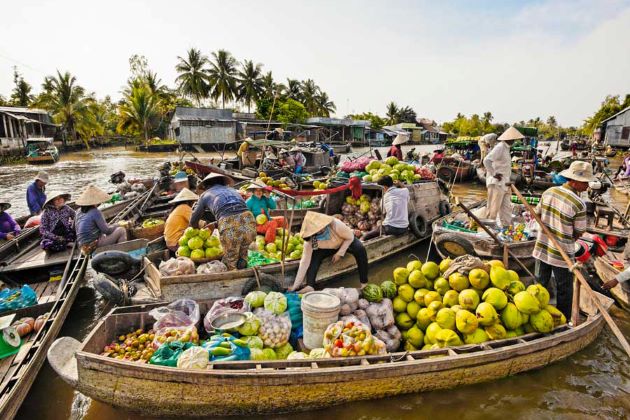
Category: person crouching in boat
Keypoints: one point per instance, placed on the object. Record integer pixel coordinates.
(92, 229)
(325, 236)
(57, 223)
(236, 224)
(36, 193)
(9, 228)
(179, 218)
(261, 203)
(396, 203)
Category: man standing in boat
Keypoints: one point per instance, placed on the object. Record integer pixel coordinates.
(485, 144)
(562, 210)
(498, 166)
(36, 193)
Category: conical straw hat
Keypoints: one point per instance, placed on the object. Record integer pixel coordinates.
(92, 196)
(228, 181)
(256, 186)
(184, 195)
(314, 222)
(51, 196)
(400, 139)
(511, 134)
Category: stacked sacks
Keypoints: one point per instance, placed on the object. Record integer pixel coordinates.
(438, 306)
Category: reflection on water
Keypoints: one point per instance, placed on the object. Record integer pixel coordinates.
(593, 383)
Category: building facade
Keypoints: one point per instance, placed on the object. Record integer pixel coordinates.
(616, 129)
(18, 124)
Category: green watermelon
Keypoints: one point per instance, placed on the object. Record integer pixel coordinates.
(389, 289)
(373, 293)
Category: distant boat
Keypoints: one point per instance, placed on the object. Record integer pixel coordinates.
(41, 150)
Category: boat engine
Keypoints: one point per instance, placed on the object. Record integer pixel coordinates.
(596, 189)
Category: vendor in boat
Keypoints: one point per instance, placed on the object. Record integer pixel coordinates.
(180, 181)
(498, 166)
(179, 218)
(562, 210)
(325, 236)
(57, 223)
(36, 193)
(261, 203)
(92, 229)
(438, 155)
(9, 228)
(270, 161)
(396, 149)
(486, 143)
(299, 159)
(237, 227)
(396, 204)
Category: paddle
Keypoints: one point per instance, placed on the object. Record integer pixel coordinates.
(492, 235)
(611, 323)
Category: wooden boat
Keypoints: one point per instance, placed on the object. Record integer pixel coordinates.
(426, 202)
(455, 170)
(606, 272)
(202, 170)
(272, 387)
(41, 150)
(341, 148)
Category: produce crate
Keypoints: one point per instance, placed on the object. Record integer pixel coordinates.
(151, 233)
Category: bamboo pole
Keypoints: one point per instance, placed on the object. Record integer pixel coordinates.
(578, 274)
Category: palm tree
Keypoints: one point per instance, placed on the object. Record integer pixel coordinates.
(488, 117)
(407, 114)
(21, 95)
(222, 76)
(65, 100)
(250, 87)
(309, 94)
(293, 89)
(138, 110)
(193, 80)
(551, 121)
(392, 113)
(325, 106)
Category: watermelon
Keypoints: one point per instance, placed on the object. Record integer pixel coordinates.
(373, 293)
(389, 289)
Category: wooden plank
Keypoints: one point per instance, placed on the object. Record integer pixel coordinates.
(38, 258)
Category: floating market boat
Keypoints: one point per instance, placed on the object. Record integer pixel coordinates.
(202, 170)
(341, 148)
(606, 271)
(272, 387)
(41, 150)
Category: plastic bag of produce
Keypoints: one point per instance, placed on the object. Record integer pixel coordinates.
(195, 357)
(391, 337)
(179, 313)
(226, 305)
(168, 353)
(177, 267)
(212, 267)
(319, 353)
(275, 302)
(297, 355)
(348, 296)
(348, 339)
(250, 326)
(226, 348)
(381, 314)
(256, 299)
(11, 299)
(186, 334)
(274, 329)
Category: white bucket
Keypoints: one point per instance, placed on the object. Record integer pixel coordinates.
(319, 310)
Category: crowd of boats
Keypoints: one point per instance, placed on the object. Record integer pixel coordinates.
(129, 275)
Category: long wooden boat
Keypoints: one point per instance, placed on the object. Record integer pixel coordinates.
(205, 169)
(455, 170)
(271, 387)
(341, 148)
(606, 272)
(41, 150)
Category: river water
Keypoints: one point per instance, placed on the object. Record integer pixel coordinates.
(594, 383)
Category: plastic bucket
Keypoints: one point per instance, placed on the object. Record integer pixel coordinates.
(319, 310)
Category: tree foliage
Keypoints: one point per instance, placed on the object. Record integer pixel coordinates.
(21, 94)
(192, 80)
(376, 122)
(609, 107)
(292, 111)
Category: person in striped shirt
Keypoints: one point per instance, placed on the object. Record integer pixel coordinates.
(564, 213)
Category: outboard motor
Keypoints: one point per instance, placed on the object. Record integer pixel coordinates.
(117, 178)
(596, 189)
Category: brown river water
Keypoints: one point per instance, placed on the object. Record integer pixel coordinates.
(594, 383)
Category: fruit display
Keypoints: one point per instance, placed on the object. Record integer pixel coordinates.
(488, 303)
(199, 245)
(363, 214)
(170, 334)
(134, 346)
(293, 245)
(357, 165)
(398, 171)
(347, 339)
(321, 185)
(283, 183)
(152, 222)
(514, 233)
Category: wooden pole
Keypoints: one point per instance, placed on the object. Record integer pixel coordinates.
(492, 235)
(579, 276)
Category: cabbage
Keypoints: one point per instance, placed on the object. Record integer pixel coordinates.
(269, 354)
(256, 354)
(319, 353)
(296, 355)
(253, 342)
(195, 357)
(256, 299)
(276, 302)
(284, 350)
(250, 326)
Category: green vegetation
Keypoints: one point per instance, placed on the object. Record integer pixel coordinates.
(609, 107)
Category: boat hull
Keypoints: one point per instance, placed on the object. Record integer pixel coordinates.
(42, 160)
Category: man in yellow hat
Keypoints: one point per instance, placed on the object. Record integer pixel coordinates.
(325, 236)
(179, 219)
(564, 213)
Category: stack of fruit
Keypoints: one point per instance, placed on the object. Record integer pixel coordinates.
(398, 171)
(134, 346)
(487, 304)
(199, 245)
(363, 214)
(294, 245)
(320, 185)
(513, 233)
(283, 183)
(152, 222)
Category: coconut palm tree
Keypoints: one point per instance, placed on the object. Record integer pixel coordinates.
(21, 95)
(138, 110)
(309, 94)
(250, 83)
(222, 76)
(408, 115)
(551, 121)
(325, 106)
(293, 89)
(392, 113)
(193, 79)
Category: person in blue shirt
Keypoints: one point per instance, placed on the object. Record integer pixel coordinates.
(236, 224)
(36, 194)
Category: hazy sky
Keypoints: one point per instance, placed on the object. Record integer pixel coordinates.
(518, 59)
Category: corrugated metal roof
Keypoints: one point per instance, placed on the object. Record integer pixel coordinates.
(338, 121)
(22, 109)
(616, 115)
(201, 114)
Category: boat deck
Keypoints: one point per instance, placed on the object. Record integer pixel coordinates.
(35, 258)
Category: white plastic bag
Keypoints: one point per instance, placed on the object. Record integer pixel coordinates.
(177, 267)
(228, 305)
(179, 313)
(212, 267)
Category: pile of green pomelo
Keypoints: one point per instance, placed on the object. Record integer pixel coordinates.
(199, 244)
(489, 303)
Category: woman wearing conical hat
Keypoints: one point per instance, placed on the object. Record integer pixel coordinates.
(9, 228)
(325, 236)
(179, 219)
(57, 223)
(92, 229)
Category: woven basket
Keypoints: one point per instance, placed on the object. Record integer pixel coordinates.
(148, 233)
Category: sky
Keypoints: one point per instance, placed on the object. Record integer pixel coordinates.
(517, 59)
